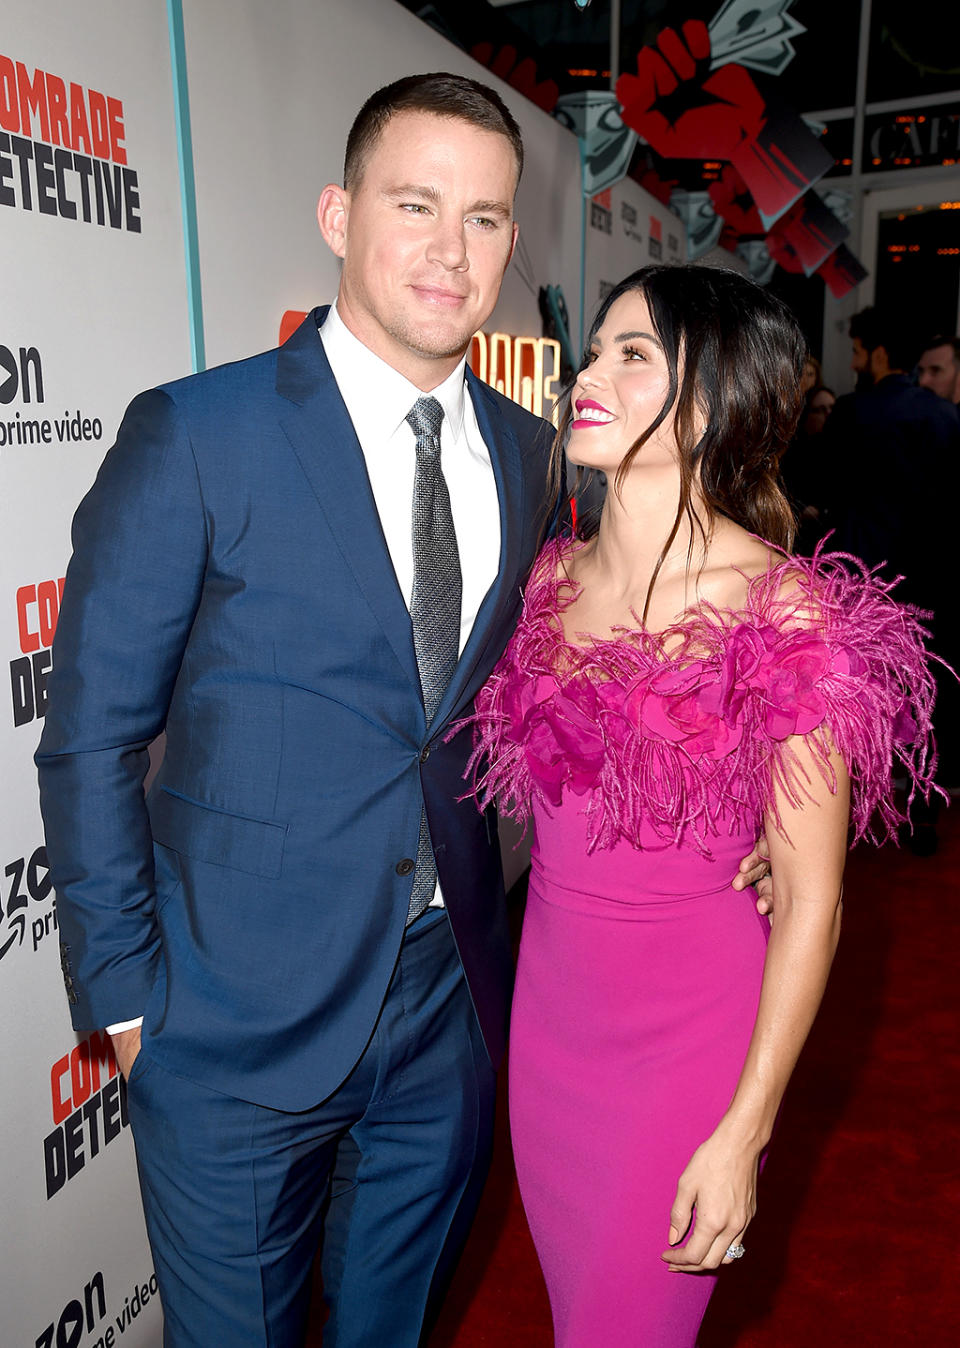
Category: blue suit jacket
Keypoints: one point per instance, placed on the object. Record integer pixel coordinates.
(231, 585)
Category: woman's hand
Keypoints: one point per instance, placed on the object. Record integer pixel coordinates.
(755, 869)
(720, 1182)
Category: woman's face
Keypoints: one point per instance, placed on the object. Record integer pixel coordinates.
(821, 405)
(620, 392)
(808, 378)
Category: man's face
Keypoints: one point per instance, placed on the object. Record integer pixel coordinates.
(425, 237)
(937, 370)
(860, 357)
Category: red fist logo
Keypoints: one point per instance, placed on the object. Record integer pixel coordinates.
(683, 110)
(733, 202)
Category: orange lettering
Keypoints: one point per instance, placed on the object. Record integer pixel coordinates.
(57, 103)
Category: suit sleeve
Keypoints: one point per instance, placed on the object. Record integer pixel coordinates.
(131, 594)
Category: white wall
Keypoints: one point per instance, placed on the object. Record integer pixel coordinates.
(273, 92)
(105, 310)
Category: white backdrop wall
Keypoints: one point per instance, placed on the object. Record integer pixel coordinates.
(272, 95)
(93, 307)
(627, 228)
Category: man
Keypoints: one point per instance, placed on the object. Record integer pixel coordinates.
(275, 566)
(894, 449)
(938, 368)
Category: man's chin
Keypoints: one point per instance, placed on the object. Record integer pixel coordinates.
(437, 343)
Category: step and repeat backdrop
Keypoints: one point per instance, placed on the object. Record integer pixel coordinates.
(94, 306)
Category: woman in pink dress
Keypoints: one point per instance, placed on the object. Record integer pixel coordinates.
(676, 683)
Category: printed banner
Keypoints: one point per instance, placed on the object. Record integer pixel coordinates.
(94, 309)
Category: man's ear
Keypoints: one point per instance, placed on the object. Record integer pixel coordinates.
(332, 211)
(513, 242)
(879, 363)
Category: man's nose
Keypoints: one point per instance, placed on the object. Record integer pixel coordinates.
(448, 245)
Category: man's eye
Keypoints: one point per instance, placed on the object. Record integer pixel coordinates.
(415, 207)
(484, 222)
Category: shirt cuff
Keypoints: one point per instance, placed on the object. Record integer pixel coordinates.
(122, 1025)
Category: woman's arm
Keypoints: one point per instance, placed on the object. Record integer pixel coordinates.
(807, 858)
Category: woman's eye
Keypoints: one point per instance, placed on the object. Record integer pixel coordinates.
(632, 353)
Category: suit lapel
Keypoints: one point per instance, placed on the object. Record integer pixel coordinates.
(320, 431)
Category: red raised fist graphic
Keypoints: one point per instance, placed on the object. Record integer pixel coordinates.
(733, 203)
(521, 76)
(683, 110)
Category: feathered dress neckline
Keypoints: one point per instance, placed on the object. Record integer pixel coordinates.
(688, 729)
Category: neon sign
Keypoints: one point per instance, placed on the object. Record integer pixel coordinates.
(526, 369)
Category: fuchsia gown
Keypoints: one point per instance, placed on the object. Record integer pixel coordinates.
(647, 776)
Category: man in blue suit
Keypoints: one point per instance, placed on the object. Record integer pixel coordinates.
(243, 575)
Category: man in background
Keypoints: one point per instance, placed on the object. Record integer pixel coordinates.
(938, 368)
(894, 450)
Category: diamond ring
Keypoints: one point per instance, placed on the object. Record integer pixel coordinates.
(735, 1252)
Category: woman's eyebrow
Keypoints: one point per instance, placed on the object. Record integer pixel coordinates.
(632, 336)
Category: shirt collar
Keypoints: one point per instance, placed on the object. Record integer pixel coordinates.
(376, 395)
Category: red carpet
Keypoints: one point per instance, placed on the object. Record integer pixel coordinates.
(854, 1242)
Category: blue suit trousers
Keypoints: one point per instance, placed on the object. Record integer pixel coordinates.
(386, 1174)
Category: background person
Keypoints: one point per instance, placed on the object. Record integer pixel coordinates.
(674, 681)
(806, 473)
(811, 376)
(893, 450)
(938, 368)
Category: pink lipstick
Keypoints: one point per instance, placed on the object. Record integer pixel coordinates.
(597, 414)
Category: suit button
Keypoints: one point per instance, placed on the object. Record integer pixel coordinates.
(405, 866)
(425, 753)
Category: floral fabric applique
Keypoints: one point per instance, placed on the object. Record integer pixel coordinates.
(689, 729)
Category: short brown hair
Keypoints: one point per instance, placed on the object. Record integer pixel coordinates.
(439, 93)
(952, 342)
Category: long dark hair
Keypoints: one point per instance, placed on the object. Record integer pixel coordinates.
(742, 355)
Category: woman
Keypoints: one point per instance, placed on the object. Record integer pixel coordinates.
(817, 407)
(811, 376)
(674, 683)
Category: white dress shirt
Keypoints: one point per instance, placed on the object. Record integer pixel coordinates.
(378, 400)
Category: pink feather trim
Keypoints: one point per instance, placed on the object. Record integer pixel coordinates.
(688, 730)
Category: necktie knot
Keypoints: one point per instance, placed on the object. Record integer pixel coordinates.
(425, 419)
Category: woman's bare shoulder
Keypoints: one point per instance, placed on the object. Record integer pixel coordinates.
(735, 559)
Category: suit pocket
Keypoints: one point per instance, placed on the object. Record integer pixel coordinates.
(204, 833)
(140, 1065)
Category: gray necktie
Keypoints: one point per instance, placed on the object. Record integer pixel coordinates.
(435, 606)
